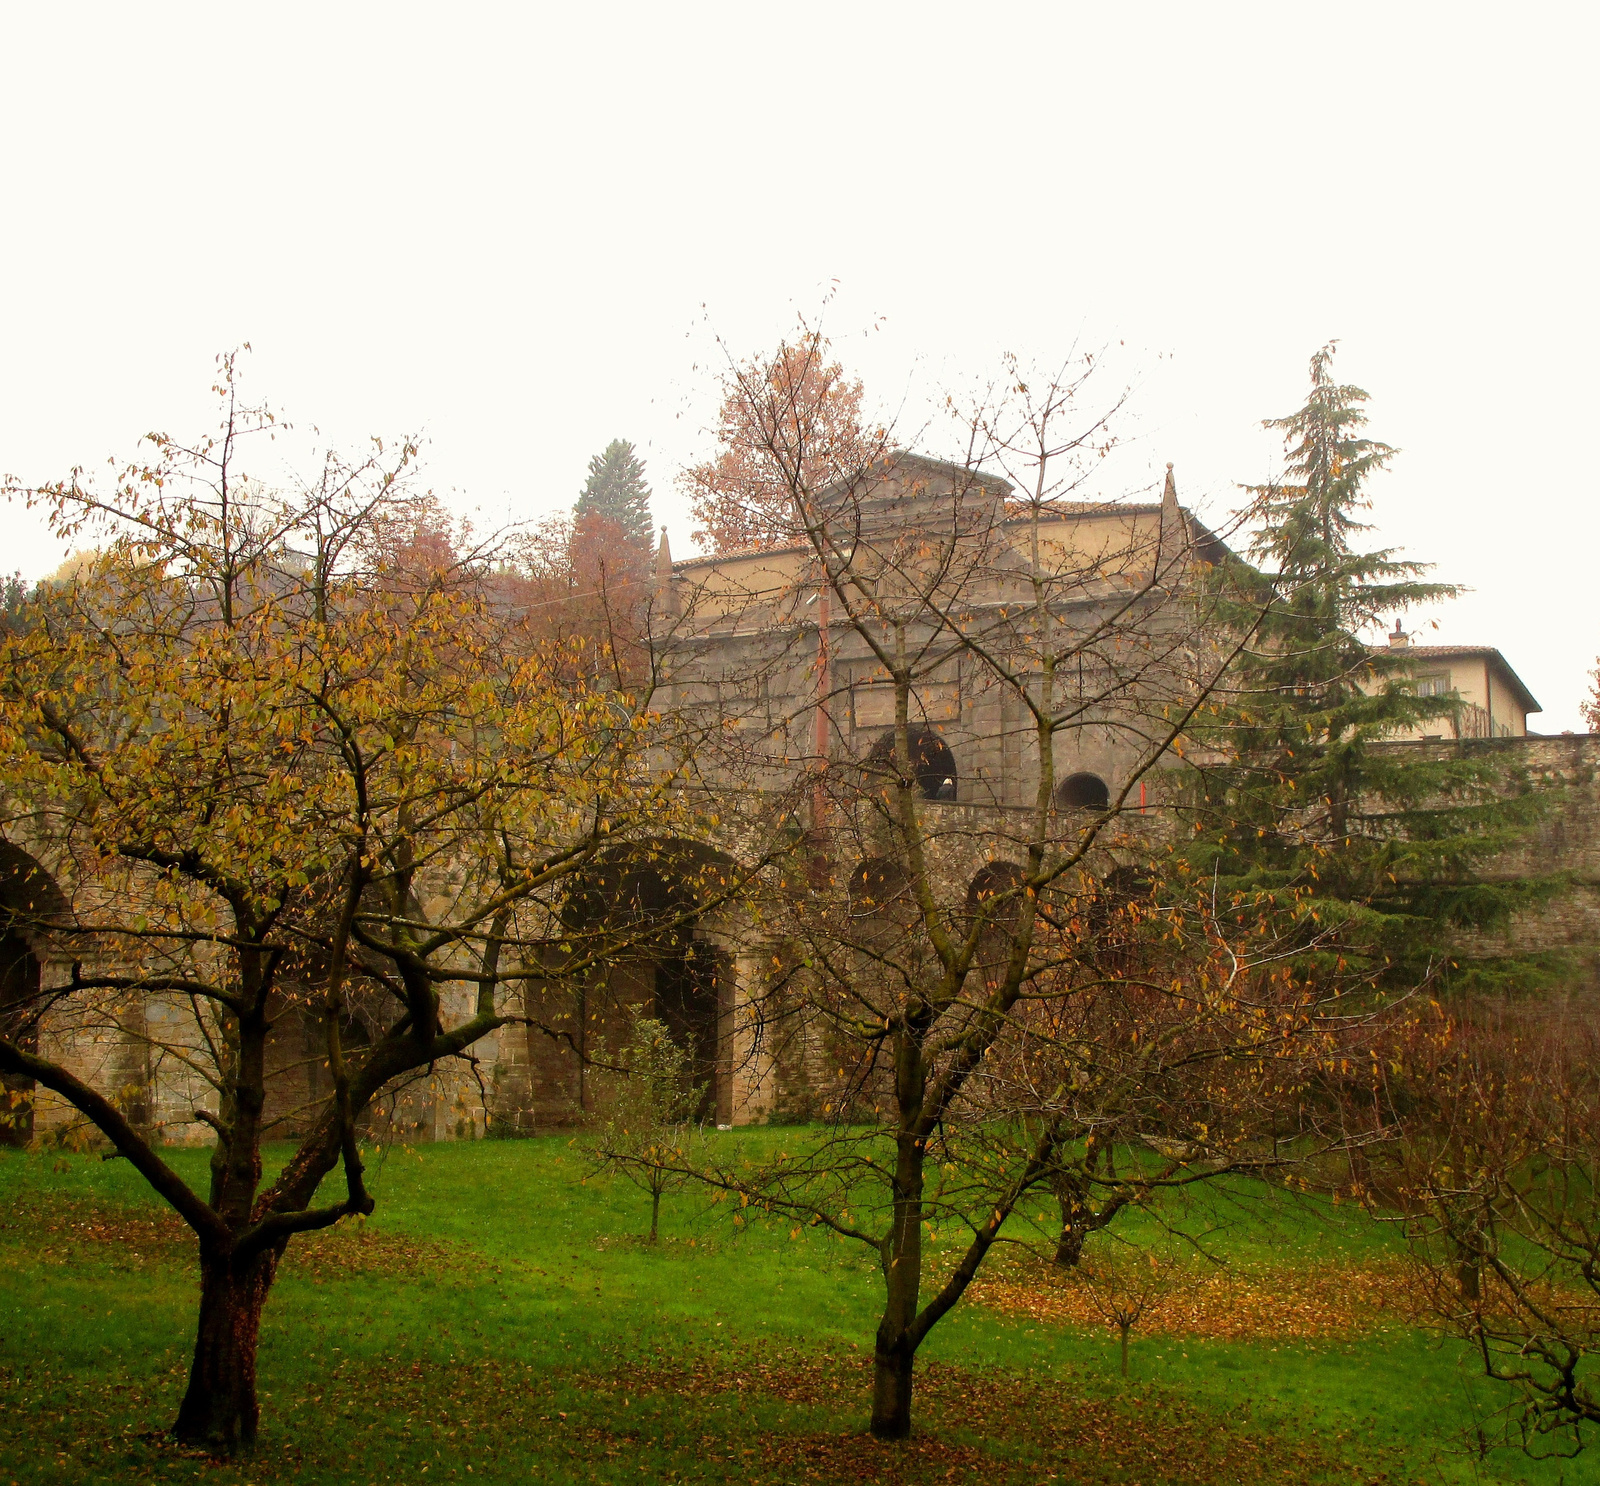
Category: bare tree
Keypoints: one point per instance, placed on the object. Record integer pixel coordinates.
(1125, 1286)
(937, 936)
(1496, 1188)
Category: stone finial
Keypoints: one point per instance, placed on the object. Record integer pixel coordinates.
(665, 588)
(1398, 639)
(1173, 542)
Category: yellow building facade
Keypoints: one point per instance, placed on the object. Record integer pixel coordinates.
(1494, 701)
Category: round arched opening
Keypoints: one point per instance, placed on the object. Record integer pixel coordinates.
(996, 890)
(933, 766)
(661, 883)
(1082, 792)
(994, 880)
(648, 897)
(876, 886)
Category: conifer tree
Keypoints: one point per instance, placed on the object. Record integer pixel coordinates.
(616, 491)
(1308, 799)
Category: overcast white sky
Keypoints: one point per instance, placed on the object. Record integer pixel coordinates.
(517, 229)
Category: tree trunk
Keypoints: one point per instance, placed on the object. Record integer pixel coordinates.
(1125, 1331)
(1077, 1216)
(655, 1213)
(1469, 1265)
(219, 1409)
(896, 1347)
(1069, 1247)
(891, 1392)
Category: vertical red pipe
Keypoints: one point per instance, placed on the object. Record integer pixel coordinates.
(824, 620)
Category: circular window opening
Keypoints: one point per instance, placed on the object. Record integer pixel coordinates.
(1082, 792)
(875, 885)
(997, 880)
(933, 766)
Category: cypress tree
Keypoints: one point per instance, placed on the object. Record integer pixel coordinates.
(616, 491)
(1309, 802)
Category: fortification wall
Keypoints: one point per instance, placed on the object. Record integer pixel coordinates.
(525, 1079)
(1564, 847)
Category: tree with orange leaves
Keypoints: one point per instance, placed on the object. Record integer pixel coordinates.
(795, 408)
(583, 590)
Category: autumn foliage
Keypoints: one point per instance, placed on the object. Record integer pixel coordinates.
(583, 592)
(1495, 1185)
(299, 762)
(790, 426)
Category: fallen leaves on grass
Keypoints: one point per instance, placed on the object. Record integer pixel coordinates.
(59, 1232)
(791, 1418)
(1151, 1436)
(353, 1250)
(1228, 1304)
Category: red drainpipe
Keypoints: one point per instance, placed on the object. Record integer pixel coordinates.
(819, 804)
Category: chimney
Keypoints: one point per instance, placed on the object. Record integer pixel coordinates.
(1398, 639)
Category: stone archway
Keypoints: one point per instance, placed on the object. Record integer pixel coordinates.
(1083, 792)
(655, 895)
(30, 905)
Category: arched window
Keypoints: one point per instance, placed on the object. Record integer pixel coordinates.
(1082, 792)
(933, 766)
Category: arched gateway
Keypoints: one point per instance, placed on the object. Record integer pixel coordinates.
(658, 905)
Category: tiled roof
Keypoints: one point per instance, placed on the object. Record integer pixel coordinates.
(754, 550)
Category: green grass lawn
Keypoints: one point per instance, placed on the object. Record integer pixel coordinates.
(498, 1319)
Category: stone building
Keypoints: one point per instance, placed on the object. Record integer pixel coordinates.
(745, 637)
(793, 699)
